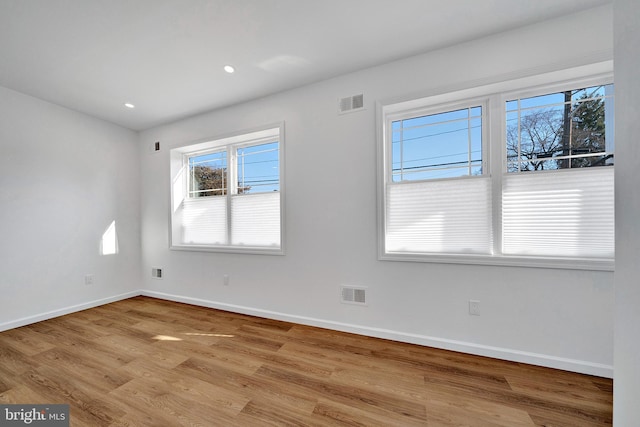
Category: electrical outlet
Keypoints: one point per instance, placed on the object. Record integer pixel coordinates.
(474, 307)
(225, 280)
(88, 279)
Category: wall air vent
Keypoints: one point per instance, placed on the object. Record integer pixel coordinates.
(156, 273)
(351, 104)
(353, 295)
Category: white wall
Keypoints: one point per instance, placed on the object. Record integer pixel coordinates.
(561, 318)
(64, 177)
(626, 411)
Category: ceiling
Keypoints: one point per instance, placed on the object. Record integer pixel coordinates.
(167, 56)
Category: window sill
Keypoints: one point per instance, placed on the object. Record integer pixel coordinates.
(250, 250)
(504, 261)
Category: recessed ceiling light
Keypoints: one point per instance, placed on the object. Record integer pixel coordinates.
(129, 105)
(229, 69)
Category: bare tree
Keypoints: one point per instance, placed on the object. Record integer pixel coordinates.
(553, 138)
(539, 139)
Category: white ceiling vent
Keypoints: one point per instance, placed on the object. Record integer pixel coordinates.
(351, 104)
(353, 295)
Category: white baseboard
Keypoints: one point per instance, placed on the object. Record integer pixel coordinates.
(67, 310)
(573, 365)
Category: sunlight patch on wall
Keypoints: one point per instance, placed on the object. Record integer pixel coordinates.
(109, 241)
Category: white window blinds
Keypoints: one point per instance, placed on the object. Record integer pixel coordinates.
(203, 221)
(256, 219)
(566, 213)
(443, 216)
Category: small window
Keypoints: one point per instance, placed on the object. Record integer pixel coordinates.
(441, 145)
(226, 194)
(561, 130)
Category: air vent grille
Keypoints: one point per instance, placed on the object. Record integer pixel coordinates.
(353, 295)
(154, 147)
(156, 273)
(351, 104)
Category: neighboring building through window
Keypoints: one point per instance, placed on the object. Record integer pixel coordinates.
(226, 194)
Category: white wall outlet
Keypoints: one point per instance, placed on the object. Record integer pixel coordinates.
(225, 280)
(474, 307)
(88, 279)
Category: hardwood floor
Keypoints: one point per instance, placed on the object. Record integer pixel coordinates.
(148, 362)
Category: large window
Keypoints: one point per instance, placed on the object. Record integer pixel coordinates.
(226, 194)
(519, 177)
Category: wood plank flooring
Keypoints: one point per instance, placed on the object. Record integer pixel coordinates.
(148, 362)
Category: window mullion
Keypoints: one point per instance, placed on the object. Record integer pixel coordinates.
(519, 138)
(231, 188)
(401, 149)
(232, 174)
(469, 148)
(496, 137)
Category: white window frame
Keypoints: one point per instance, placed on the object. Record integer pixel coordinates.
(179, 163)
(494, 157)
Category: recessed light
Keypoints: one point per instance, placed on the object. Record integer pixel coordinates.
(229, 69)
(129, 105)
